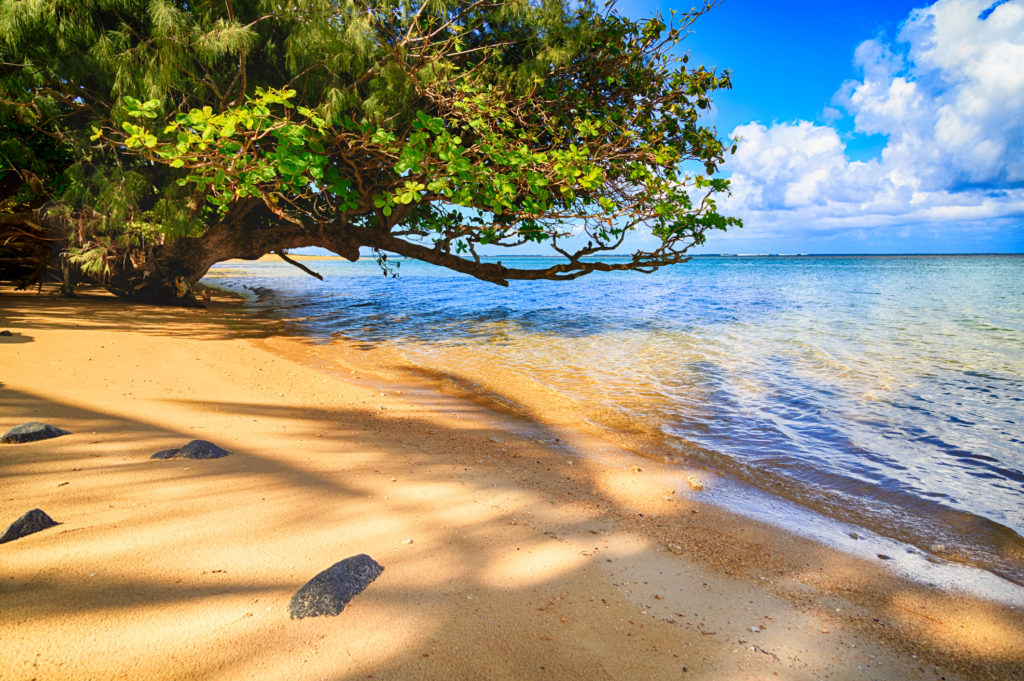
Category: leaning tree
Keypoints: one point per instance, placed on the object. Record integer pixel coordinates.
(151, 139)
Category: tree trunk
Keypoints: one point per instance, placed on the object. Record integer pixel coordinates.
(67, 287)
(169, 272)
(26, 249)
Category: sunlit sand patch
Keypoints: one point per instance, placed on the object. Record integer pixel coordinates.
(360, 642)
(652, 489)
(96, 613)
(533, 563)
(950, 625)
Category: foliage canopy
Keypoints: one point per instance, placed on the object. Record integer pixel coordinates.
(158, 137)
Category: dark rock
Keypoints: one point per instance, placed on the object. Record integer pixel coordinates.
(197, 449)
(332, 589)
(32, 431)
(6, 333)
(882, 556)
(33, 521)
(201, 449)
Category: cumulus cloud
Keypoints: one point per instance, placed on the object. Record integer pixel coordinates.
(947, 94)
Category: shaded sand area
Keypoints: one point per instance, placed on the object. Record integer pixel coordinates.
(511, 550)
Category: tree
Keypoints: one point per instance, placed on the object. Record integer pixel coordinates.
(164, 136)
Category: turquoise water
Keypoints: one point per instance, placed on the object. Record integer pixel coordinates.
(887, 392)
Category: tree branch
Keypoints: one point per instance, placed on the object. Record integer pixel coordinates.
(283, 256)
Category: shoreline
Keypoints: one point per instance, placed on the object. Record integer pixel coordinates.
(529, 555)
(950, 547)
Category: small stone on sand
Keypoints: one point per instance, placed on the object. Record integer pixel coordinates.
(330, 591)
(31, 432)
(196, 449)
(30, 523)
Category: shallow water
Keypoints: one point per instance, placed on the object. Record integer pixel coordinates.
(887, 392)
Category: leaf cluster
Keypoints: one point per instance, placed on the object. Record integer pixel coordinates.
(429, 128)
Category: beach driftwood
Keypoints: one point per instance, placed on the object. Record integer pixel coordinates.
(196, 449)
(332, 589)
(31, 432)
(30, 523)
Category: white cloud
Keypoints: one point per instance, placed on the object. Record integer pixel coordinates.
(949, 98)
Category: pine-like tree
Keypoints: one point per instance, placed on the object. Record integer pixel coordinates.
(154, 138)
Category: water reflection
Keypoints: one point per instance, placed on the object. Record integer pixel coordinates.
(888, 391)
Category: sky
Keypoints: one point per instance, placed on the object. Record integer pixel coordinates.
(867, 127)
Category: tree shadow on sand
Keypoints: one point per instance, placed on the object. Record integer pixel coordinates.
(173, 569)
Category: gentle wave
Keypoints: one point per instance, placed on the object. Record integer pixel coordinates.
(885, 391)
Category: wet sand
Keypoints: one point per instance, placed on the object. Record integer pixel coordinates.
(512, 549)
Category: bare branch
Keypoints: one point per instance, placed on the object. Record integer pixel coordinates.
(284, 256)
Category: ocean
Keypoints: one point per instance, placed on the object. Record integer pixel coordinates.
(882, 392)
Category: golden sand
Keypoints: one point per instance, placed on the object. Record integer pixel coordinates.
(511, 550)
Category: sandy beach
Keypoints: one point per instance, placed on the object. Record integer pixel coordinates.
(512, 548)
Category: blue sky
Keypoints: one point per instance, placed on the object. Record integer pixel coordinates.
(868, 127)
(786, 61)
